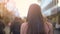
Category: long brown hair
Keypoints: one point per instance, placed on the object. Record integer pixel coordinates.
(35, 20)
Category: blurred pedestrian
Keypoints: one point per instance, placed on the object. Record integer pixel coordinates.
(2, 26)
(57, 26)
(36, 23)
(15, 26)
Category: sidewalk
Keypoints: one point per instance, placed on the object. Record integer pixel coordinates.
(56, 32)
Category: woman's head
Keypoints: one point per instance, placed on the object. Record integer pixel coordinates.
(35, 20)
(34, 10)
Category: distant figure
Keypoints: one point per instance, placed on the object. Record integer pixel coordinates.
(15, 26)
(25, 19)
(58, 26)
(2, 26)
(36, 23)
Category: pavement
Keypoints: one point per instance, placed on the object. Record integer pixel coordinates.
(56, 32)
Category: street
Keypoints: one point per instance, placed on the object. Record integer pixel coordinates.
(56, 32)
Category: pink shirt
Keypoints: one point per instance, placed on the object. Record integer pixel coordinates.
(48, 28)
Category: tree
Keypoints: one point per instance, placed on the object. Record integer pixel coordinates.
(5, 14)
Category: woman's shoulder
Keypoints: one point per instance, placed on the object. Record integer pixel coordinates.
(49, 25)
(24, 27)
(24, 24)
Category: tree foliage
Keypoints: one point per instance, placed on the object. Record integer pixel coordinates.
(5, 15)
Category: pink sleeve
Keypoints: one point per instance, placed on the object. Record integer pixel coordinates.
(23, 28)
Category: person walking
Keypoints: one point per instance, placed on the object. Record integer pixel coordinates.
(36, 24)
(15, 26)
(2, 26)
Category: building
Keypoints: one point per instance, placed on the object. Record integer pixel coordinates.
(50, 9)
(55, 14)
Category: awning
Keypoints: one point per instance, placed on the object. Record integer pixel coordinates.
(51, 4)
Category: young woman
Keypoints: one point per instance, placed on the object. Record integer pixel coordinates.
(36, 23)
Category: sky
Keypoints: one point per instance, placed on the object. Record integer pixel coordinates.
(59, 3)
(20, 7)
(23, 6)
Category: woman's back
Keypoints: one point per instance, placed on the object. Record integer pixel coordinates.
(48, 28)
(36, 22)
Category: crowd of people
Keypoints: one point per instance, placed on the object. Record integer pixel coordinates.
(35, 23)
